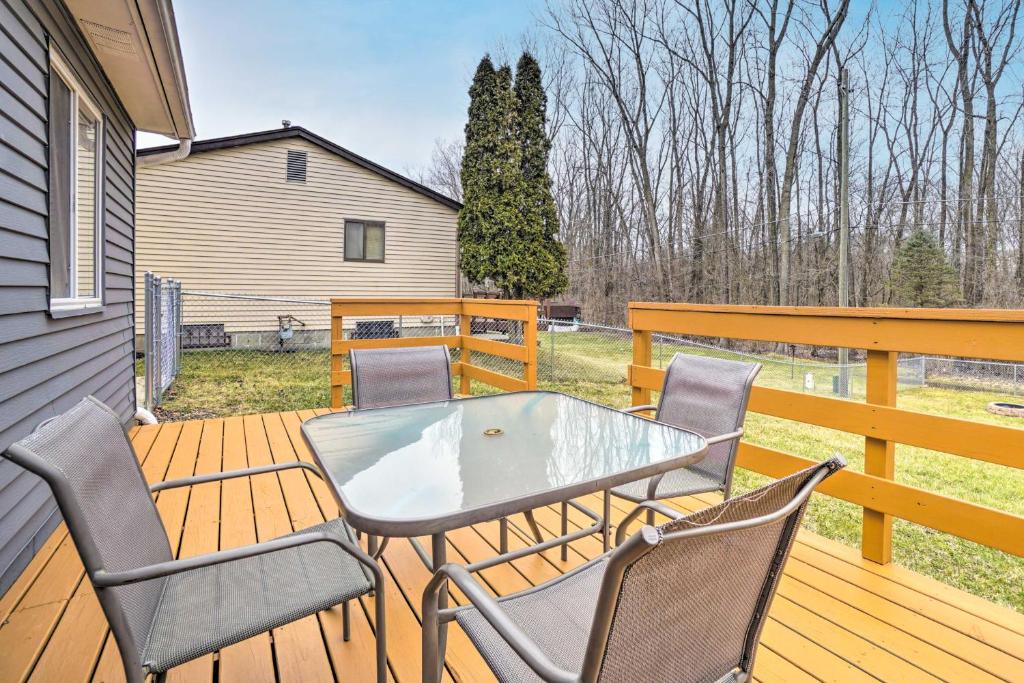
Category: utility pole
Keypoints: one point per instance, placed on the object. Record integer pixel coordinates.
(844, 219)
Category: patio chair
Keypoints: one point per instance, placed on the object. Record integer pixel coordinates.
(708, 396)
(394, 377)
(685, 601)
(165, 611)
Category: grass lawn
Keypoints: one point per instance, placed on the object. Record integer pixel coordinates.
(593, 366)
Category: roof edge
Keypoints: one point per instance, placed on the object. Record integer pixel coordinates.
(227, 142)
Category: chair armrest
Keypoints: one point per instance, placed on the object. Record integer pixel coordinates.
(105, 579)
(731, 436)
(233, 474)
(491, 610)
(639, 409)
(620, 532)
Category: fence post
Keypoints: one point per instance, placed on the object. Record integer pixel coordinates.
(642, 352)
(177, 327)
(530, 342)
(551, 365)
(465, 330)
(337, 335)
(879, 455)
(147, 338)
(158, 332)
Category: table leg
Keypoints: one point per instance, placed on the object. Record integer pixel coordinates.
(503, 535)
(565, 530)
(439, 554)
(606, 532)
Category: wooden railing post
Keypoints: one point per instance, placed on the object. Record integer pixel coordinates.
(530, 342)
(337, 334)
(642, 353)
(879, 455)
(465, 330)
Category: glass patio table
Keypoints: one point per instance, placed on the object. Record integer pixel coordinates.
(427, 468)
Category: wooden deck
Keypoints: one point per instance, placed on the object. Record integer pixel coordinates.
(836, 616)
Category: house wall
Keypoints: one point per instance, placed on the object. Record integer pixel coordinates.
(228, 221)
(47, 364)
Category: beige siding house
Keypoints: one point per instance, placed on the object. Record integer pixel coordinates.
(288, 214)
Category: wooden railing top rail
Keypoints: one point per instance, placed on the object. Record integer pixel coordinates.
(511, 309)
(430, 300)
(990, 314)
(995, 335)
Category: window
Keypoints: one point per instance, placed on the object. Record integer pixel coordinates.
(76, 182)
(296, 167)
(364, 241)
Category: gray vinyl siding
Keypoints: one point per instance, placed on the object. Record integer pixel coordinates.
(47, 364)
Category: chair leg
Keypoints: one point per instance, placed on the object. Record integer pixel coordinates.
(650, 518)
(380, 627)
(534, 527)
(371, 550)
(346, 622)
(430, 646)
(606, 531)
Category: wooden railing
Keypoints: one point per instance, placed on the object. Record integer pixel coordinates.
(466, 309)
(988, 334)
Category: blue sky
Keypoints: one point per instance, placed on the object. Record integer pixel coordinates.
(384, 79)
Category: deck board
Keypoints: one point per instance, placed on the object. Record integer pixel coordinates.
(837, 617)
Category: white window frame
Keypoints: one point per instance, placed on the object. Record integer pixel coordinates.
(80, 99)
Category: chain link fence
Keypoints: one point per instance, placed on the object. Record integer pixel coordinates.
(162, 351)
(217, 354)
(238, 354)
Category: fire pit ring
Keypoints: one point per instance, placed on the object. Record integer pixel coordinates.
(1006, 408)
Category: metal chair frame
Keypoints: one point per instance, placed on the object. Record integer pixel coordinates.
(67, 501)
(627, 552)
(655, 482)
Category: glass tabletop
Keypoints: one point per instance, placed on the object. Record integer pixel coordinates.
(419, 469)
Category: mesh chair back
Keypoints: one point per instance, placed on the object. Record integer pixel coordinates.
(708, 396)
(696, 603)
(394, 377)
(86, 458)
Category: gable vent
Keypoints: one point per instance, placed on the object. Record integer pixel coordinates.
(296, 172)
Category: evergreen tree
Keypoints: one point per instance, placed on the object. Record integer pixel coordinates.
(921, 276)
(491, 222)
(508, 223)
(544, 259)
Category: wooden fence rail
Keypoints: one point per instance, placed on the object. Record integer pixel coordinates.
(525, 353)
(988, 334)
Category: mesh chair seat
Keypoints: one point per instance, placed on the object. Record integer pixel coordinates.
(557, 617)
(205, 609)
(685, 482)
